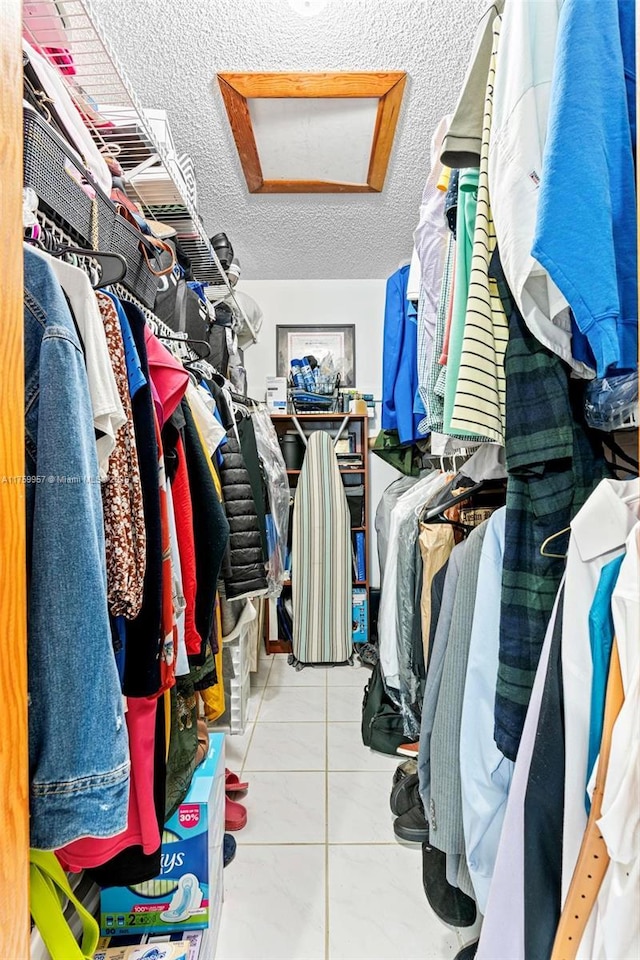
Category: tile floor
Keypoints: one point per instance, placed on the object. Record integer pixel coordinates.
(318, 874)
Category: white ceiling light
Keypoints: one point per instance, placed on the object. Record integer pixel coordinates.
(308, 8)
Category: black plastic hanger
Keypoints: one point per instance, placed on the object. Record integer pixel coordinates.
(113, 266)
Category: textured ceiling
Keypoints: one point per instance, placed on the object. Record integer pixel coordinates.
(172, 50)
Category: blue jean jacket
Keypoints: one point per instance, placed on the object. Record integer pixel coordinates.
(78, 747)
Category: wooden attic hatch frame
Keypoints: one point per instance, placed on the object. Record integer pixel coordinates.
(240, 88)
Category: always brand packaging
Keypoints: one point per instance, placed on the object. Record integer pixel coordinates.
(187, 895)
(189, 944)
(156, 951)
(360, 618)
(277, 394)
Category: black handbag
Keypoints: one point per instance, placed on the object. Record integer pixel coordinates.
(382, 726)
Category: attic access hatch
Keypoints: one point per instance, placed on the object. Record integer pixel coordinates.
(313, 132)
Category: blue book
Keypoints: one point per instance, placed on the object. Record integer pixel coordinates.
(360, 555)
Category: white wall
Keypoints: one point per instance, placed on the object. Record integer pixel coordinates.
(317, 302)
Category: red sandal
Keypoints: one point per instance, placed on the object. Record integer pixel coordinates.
(232, 783)
(235, 815)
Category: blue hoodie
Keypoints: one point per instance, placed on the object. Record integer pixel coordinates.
(586, 228)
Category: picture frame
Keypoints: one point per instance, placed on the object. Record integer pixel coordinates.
(302, 340)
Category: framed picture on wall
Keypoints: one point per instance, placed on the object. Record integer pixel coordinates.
(295, 342)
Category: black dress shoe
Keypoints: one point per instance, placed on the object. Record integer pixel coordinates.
(412, 826)
(468, 952)
(449, 903)
(405, 795)
(405, 769)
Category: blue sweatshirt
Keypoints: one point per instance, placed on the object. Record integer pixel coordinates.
(586, 228)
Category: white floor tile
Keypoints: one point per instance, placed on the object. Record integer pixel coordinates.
(274, 905)
(235, 748)
(284, 808)
(348, 676)
(255, 699)
(377, 908)
(297, 747)
(284, 675)
(344, 703)
(359, 807)
(260, 676)
(347, 751)
(293, 705)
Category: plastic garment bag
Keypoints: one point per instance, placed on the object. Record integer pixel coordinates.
(275, 477)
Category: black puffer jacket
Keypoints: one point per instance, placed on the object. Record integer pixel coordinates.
(246, 556)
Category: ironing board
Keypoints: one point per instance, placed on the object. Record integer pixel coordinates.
(321, 559)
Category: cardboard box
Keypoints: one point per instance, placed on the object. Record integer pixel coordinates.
(360, 619)
(277, 394)
(188, 892)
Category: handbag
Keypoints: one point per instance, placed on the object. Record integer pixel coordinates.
(146, 240)
(382, 725)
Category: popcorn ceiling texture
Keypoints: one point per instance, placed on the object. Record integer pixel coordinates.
(172, 50)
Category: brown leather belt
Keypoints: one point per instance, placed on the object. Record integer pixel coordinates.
(593, 858)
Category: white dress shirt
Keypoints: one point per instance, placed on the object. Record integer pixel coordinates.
(598, 534)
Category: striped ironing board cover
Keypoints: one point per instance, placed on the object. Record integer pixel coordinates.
(321, 559)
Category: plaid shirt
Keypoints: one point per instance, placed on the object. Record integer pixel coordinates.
(553, 464)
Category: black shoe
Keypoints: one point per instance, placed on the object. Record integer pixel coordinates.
(405, 769)
(405, 795)
(222, 246)
(449, 903)
(412, 826)
(228, 849)
(468, 952)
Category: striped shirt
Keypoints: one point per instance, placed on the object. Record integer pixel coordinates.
(479, 403)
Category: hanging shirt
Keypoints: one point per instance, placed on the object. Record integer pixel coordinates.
(108, 412)
(461, 147)
(430, 238)
(400, 362)
(502, 933)
(518, 133)
(598, 534)
(485, 773)
(467, 206)
(169, 377)
(479, 400)
(587, 207)
(618, 918)
(601, 633)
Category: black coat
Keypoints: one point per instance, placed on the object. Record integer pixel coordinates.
(247, 562)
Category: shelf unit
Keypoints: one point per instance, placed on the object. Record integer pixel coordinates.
(353, 425)
(162, 183)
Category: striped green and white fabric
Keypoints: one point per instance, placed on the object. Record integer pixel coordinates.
(321, 559)
(479, 403)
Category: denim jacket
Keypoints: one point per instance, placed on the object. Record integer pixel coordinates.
(78, 747)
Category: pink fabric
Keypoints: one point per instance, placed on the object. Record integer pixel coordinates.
(142, 827)
(169, 377)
